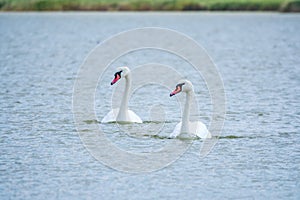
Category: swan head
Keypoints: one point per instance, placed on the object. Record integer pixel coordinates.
(182, 86)
(121, 72)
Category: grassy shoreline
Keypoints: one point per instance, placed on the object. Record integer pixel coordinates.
(150, 5)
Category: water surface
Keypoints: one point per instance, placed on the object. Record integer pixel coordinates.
(257, 156)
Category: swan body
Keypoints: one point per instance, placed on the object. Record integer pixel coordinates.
(122, 114)
(186, 128)
(112, 117)
(197, 129)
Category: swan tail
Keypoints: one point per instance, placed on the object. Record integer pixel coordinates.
(134, 117)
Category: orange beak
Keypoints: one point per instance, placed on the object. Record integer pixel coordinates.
(177, 90)
(117, 77)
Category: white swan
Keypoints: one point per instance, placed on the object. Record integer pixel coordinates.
(185, 128)
(122, 114)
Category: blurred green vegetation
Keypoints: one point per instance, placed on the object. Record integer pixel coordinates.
(144, 5)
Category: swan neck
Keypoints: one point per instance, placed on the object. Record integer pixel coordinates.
(124, 102)
(186, 113)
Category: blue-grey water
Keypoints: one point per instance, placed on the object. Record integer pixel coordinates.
(256, 157)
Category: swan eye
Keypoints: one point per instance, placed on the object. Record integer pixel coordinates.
(118, 73)
(179, 85)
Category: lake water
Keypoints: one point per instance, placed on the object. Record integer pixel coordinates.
(256, 157)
